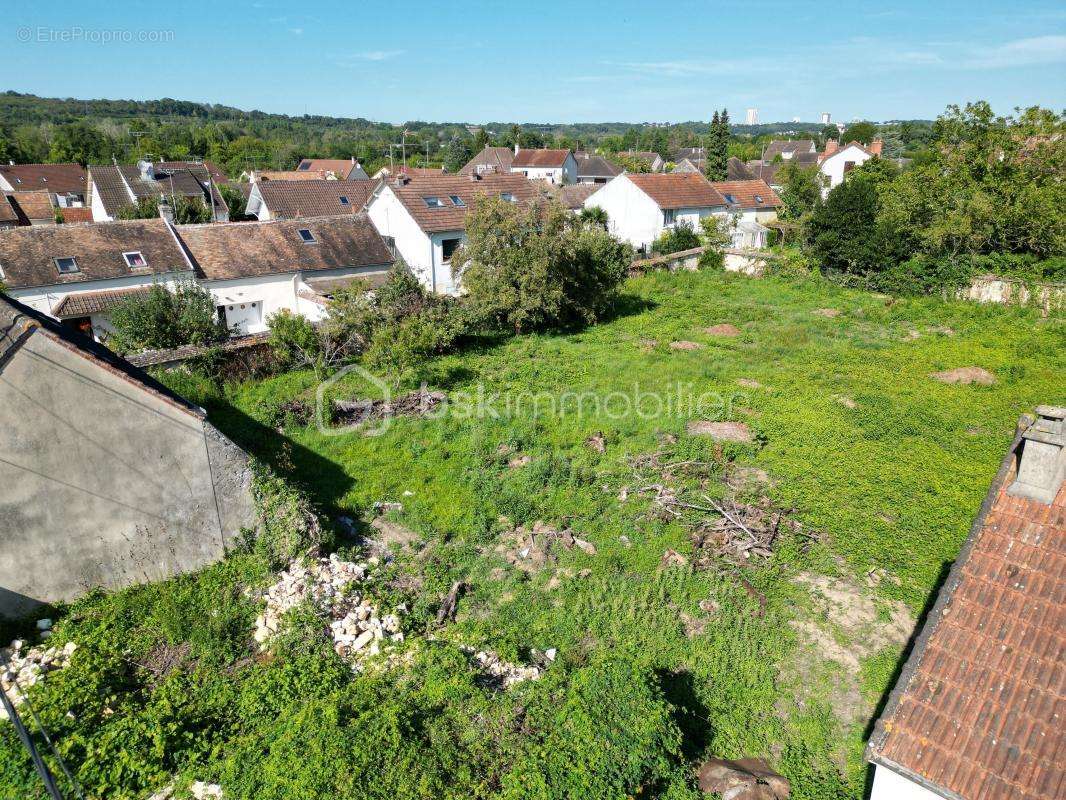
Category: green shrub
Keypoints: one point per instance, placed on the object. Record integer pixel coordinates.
(289, 525)
(673, 240)
(164, 319)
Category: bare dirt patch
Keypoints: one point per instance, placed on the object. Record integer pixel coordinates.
(721, 431)
(965, 376)
(748, 383)
(845, 401)
(725, 329)
(414, 404)
(828, 313)
(683, 345)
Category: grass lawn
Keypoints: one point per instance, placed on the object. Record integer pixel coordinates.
(786, 658)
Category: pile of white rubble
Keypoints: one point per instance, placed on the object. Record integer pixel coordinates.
(331, 585)
(502, 673)
(23, 667)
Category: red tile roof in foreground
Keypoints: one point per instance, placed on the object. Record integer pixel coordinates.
(678, 189)
(979, 711)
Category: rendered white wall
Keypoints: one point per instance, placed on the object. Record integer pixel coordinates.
(889, 785)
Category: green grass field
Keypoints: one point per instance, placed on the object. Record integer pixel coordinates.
(885, 464)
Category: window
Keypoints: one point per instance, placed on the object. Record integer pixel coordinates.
(507, 196)
(457, 201)
(304, 165)
(67, 265)
(758, 199)
(849, 166)
(669, 216)
(730, 198)
(448, 247)
(307, 236)
(344, 201)
(433, 202)
(135, 260)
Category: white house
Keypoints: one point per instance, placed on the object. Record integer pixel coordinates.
(255, 269)
(976, 713)
(641, 206)
(113, 187)
(423, 218)
(837, 161)
(556, 167)
(77, 273)
(750, 204)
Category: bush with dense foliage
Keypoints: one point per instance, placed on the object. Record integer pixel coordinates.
(163, 319)
(681, 236)
(536, 267)
(144, 208)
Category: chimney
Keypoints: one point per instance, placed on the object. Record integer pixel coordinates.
(401, 179)
(475, 176)
(516, 148)
(1042, 457)
(831, 146)
(146, 169)
(166, 211)
(875, 147)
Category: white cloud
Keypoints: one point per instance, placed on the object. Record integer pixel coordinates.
(378, 55)
(1020, 53)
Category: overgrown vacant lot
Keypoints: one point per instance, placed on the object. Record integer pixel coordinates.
(669, 646)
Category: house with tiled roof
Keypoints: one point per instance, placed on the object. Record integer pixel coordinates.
(256, 269)
(344, 169)
(490, 159)
(557, 167)
(641, 206)
(407, 169)
(836, 161)
(423, 219)
(789, 149)
(113, 187)
(593, 168)
(750, 203)
(110, 478)
(977, 711)
(78, 273)
(655, 161)
(66, 181)
(33, 206)
(269, 200)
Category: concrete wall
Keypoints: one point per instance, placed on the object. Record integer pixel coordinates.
(104, 483)
(993, 289)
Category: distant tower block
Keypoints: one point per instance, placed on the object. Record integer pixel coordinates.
(752, 117)
(826, 117)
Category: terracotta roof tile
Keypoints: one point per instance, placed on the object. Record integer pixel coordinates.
(223, 251)
(543, 159)
(978, 711)
(32, 205)
(340, 167)
(449, 216)
(27, 253)
(7, 211)
(753, 194)
(115, 183)
(315, 198)
(490, 159)
(678, 190)
(60, 178)
(76, 214)
(83, 304)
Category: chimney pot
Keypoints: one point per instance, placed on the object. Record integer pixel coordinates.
(166, 212)
(1041, 465)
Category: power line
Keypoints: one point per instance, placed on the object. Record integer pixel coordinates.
(31, 748)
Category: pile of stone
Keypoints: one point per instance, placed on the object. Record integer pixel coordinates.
(198, 789)
(24, 668)
(329, 584)
(499, 673)
(419, 403)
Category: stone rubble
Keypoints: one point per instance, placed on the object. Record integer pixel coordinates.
(357, 628)
(501, 673)
(25, 668)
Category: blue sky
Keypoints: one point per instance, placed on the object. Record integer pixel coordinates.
(548, 61)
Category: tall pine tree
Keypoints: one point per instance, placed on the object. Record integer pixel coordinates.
(718, 147)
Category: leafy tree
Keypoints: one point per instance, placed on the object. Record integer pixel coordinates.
(481, 140)
(864, 132)
(594, 215)
(144, 208)
(164, 319)
(802, 189)
(79, 142)
(842, 231)
(236, 202)
(457, 153)
(631, 163)
(530, 267)
(190, 211)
